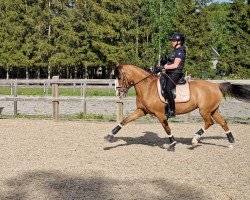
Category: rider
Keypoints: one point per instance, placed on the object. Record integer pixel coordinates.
(174, 71)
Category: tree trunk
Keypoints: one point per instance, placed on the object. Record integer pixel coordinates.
(159, 45)
(49, 72)
(7, 74)
(39, 73)
(27, 72)
(86, 75)
(75, 72)
(137, 37)
(67, 72)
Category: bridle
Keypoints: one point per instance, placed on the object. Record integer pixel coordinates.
(124, 78)
(127, 85)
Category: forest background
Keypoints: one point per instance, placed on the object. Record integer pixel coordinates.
(87, 38)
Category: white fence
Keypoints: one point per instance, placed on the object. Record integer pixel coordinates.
(82, 84)
(54, 84)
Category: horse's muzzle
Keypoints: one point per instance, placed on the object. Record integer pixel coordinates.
(121, 93)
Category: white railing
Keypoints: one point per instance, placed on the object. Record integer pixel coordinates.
(83, 84)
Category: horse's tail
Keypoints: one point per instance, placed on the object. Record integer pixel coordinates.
(238, 91)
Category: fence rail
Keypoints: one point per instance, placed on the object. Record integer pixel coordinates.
(55, 83)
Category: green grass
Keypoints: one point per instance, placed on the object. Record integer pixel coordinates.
(21, 116)
(68, 117)
(63, 92)
(91, 116)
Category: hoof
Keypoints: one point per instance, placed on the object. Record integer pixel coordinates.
(109, 138)
(194, 142)
(230, 137)
(171, 147)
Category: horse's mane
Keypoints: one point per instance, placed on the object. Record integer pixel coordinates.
(142, 70)
(116, 72)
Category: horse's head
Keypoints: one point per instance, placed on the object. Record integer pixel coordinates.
(122, 83)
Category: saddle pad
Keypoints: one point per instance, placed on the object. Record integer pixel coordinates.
(182, 92)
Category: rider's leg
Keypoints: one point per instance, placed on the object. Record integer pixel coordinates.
(170, 106)
(171, 82)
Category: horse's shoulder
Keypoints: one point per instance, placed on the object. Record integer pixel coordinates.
(154, 77)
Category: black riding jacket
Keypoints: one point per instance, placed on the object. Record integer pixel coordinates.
(177, 53)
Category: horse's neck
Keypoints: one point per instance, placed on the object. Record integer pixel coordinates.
(138, 74)
(142, 81)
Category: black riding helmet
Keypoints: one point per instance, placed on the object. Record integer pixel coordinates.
(178, 37)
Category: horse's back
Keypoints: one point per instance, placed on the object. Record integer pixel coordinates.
(205, 92)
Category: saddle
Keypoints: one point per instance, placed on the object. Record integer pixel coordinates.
(181, 93)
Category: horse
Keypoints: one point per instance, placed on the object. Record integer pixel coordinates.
(204, 95)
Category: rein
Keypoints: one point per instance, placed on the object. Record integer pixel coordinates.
(171, 79)
(128, 85)
(142, 79)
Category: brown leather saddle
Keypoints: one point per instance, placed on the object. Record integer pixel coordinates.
(181, 92)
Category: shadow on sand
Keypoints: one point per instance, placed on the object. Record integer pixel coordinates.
(152, 139)
(56, 185)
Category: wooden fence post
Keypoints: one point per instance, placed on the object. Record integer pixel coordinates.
(119, 110)
(1, 110)
(11, 89)
(15, 102)
(55, 93)
(83, 93)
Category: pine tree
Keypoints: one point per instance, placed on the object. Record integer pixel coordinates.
(239, 39)
(157, 18)
(11, 35)
(192, 21)
(219, 23)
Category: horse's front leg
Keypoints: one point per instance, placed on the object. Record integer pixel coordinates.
(135, 115)
(166, 127)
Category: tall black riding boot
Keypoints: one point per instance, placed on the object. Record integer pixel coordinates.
(170, 106)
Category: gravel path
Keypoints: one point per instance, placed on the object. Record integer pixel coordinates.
(66, 160)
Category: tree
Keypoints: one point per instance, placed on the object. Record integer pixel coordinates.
(192, 21)
(68, 38)
(11, 35)
(239, 39)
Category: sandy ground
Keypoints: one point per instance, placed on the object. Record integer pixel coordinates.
(66, 160)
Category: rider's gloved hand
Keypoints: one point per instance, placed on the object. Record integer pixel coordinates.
(158, 69)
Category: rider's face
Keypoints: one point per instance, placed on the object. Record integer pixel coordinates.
(174, 43)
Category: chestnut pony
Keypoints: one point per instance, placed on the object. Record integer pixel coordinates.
(204, 95)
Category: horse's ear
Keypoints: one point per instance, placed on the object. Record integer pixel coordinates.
(119, 66)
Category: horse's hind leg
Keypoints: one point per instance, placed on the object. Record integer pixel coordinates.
(220, 120)
(135, 115)
(206, 115)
